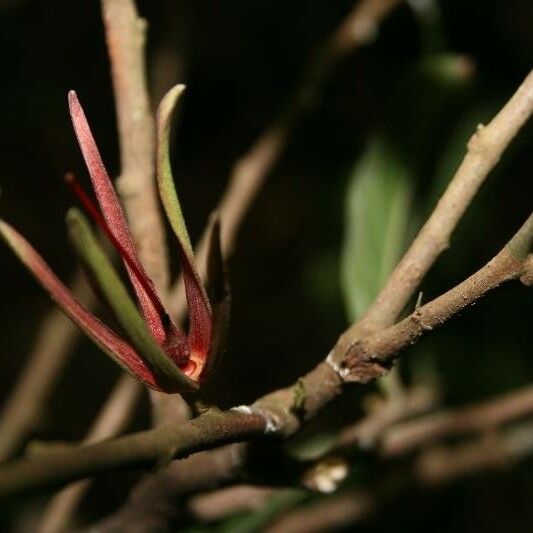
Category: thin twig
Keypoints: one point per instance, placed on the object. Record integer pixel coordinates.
(221, 503)
(443, 464)
(363, 435)
(369, 357)
(367, 432)
(144, 449)
(402, 438)
(328, 514)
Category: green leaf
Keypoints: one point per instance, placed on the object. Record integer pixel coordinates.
(120, 301)
(376, 214)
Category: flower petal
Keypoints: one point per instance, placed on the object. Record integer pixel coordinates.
(218, 290)
(109, 342)
(199, 309)
(113, 214)
(118, 298)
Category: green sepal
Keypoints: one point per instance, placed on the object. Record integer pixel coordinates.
(165, 180)
(121, 303)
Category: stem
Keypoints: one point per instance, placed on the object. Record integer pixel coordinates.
(55, 339)
(145, 449)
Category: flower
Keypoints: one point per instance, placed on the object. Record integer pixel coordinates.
(158, 352)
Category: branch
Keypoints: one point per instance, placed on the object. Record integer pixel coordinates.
(364, 434)
(219, 504)
(145, 449)
(367, 432)
(484, 151)
(328, 514)
(444, 464)
(369, 358)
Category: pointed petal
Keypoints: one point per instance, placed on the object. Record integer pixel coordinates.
(109, 342)
(199, 308)
(120, 301)
(218, 290)
(112, 212)
(96, 330)
(168, 193)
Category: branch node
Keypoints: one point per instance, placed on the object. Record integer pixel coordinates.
(416, 317)
(298, 398)
(482, 144)
(419, 301)
(340, 369)
(363, 368)
(272, 424)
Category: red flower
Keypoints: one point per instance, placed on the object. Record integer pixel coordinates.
(160, 354)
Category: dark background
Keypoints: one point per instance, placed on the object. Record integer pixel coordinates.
(240, 60)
